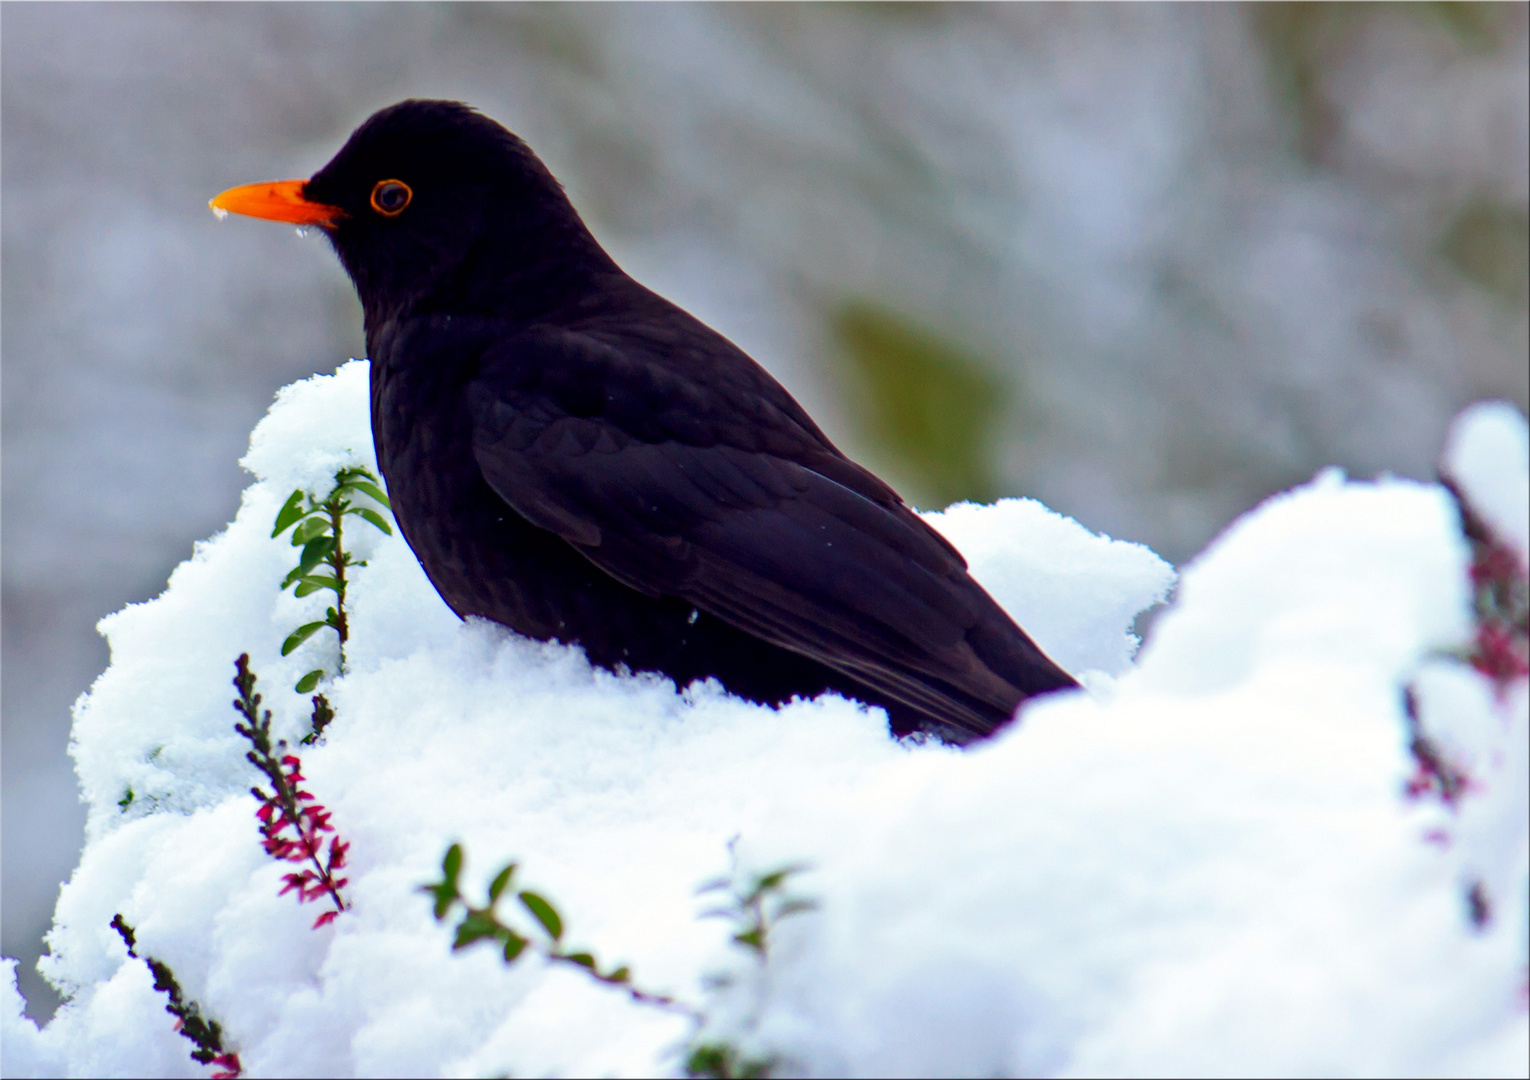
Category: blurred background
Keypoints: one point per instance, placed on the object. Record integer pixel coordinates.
(1145, 263)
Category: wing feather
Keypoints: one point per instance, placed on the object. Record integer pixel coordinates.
(749, 516)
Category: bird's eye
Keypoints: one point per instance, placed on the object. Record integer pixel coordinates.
(389, 197)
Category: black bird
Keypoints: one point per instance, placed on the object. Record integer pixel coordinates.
(575, 457)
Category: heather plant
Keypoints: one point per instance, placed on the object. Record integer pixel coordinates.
(293, 824)
(1500, 646)
(318, 529)
(1499, 649)
(206, 1034)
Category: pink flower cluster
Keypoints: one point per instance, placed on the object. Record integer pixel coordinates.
(228, 1067)
(299, 838)
(1500, 647)
(292, 823)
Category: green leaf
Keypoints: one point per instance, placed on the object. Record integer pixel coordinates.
(302, 634)
(374, 517)
(315, 526)
(366, 487)
(501, 880)
(445, 896)
(754, 939)
(445, 890)
(315, 552)
(309, 681)
(583, 959)
(513, 946)
(291, 510)
(474, 927)
(620, 975)
(545, 914)
(312, 583)
(770, 881)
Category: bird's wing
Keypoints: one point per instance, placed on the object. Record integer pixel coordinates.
(714, 493)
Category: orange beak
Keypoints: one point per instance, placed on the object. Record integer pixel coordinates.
(278, 200)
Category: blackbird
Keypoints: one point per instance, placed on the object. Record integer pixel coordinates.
(573, 456)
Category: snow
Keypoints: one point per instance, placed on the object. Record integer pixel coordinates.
(1205, 865)
(1485, 454)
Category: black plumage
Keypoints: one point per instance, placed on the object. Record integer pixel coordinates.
(575, 457)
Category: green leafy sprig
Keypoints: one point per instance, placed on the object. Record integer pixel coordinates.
(483, 923)
(318, 720)
(318, 529)
(754, 904)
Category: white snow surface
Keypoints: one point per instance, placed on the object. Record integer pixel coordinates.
(1204, 865)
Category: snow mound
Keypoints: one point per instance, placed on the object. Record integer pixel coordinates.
(1210, 864)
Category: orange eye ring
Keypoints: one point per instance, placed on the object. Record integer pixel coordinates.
(390, 197)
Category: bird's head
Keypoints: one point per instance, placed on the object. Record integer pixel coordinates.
(433, 206)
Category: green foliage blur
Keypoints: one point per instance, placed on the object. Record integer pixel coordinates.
(922, 400)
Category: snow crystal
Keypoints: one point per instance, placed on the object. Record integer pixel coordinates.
(1208, 866)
